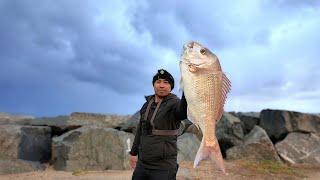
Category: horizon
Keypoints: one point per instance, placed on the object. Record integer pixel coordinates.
(106, 113)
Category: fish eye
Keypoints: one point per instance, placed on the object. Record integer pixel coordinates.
(203, 51)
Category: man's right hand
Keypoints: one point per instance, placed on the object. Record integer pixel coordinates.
(133, 161)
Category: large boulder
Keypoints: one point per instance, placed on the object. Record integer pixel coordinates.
(248, 120)
(10, 138)
(91, 148)
(229, 132)
(257, 146)
(300, 148)
(31, 143)
(131, 124)
(188, 145)
(278, 123)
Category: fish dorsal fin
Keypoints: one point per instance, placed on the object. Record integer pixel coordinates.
(226, 86)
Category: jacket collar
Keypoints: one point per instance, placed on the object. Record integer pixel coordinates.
(170, 96)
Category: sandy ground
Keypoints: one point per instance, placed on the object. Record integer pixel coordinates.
(235, 170)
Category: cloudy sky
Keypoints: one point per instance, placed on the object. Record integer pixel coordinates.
(58, 56)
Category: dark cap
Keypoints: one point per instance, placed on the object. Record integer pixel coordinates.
(163, 74)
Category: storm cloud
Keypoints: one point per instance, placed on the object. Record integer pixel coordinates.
(57, 57)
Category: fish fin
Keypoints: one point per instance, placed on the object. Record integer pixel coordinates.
(200, 154)
(213, 152)
(226, 86)
(198, 127)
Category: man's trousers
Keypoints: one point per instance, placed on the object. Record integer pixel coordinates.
(141, 173)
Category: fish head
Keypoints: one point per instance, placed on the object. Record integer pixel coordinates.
(198, 57)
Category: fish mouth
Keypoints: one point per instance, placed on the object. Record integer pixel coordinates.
(187, 62)
(190, 45)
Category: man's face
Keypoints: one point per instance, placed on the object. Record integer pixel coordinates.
(162, 87)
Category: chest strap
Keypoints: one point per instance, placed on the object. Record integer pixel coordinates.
(164, 132)
(157, 131)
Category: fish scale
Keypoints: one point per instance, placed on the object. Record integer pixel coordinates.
(210, 106)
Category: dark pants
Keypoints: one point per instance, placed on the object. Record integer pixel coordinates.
(141, 173)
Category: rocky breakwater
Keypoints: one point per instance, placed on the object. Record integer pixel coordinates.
(26, 143)
(89, 141)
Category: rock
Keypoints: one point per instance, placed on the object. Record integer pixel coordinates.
(229, 132)
(248, 120)
(62, 124)
(233, 113)
(25, 142)
(35, 144)
(106, 120)
(300, 148)
(10, 137)
(58, 121)
(58, 124)
(13, 166)
(278, 123)
(188, 145)
(257, 146)
(131, 124)
(91, 148)
(6, 118)
(194, 130)
(250, 114)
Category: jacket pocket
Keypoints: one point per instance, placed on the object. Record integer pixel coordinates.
(170, 149)
(152, 148)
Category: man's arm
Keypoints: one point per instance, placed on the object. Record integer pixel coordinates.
(135, 147)
(136, 142)
(181, 109)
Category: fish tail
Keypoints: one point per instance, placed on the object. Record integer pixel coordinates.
(210, 151)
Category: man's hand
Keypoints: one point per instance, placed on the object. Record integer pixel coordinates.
(133, 161)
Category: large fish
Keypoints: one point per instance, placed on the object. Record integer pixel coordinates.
(205, 87)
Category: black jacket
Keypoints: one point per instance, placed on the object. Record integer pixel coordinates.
(155, 151)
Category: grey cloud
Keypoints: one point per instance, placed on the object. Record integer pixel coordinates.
(173, 22)
(41, 35)
(49, 47)
(219, 25)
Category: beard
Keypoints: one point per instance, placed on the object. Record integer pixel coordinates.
(162, 93)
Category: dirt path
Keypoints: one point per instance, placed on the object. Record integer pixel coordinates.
(236, 170)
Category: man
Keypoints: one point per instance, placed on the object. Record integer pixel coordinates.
(155, 142)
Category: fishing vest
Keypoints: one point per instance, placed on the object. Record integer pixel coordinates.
(157, 131)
